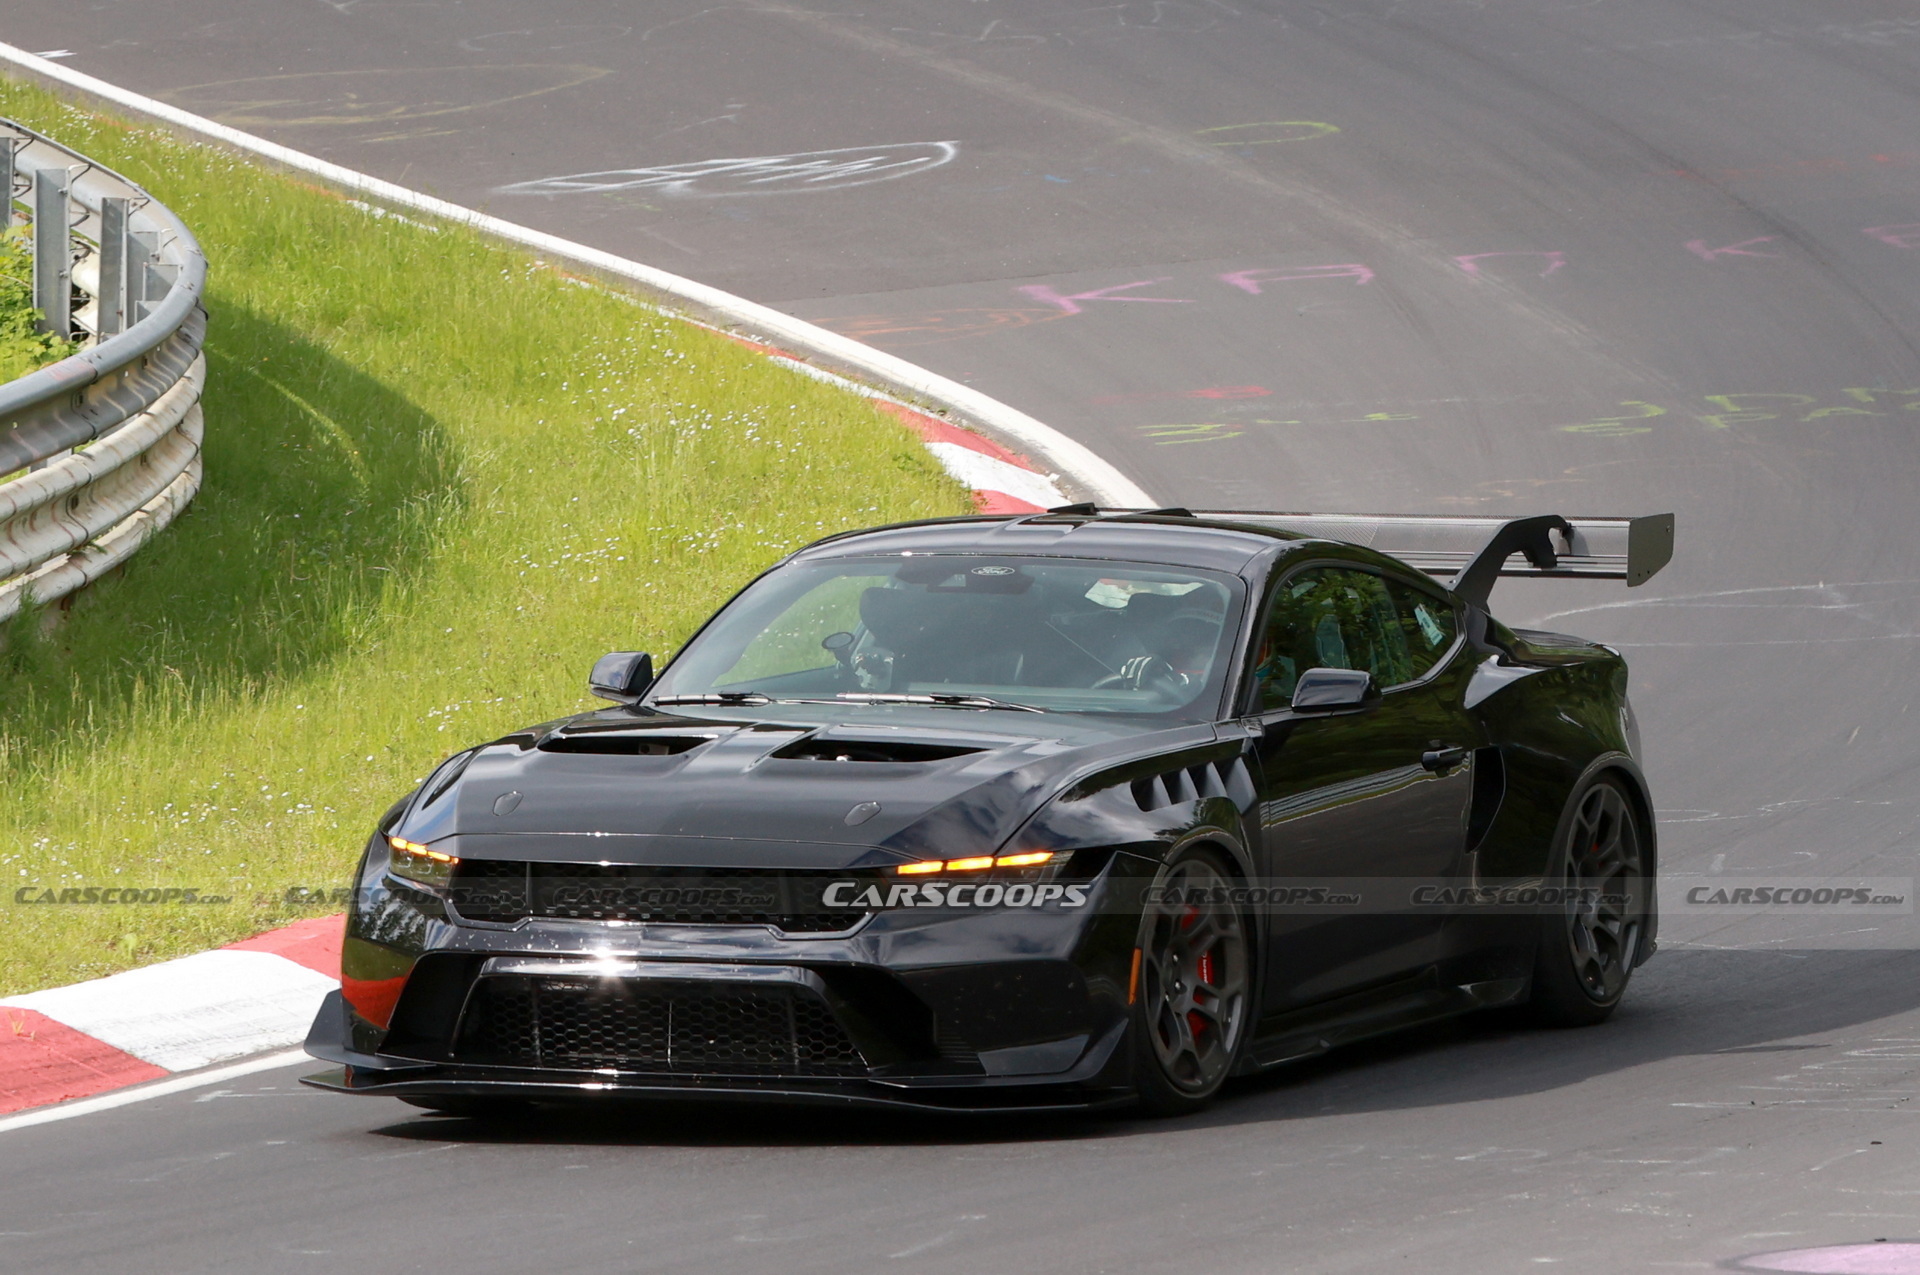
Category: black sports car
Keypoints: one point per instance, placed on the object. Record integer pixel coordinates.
(1070, 809)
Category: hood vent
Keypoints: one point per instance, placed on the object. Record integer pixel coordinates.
(1192, 783)
(814, 748)
(625, 745)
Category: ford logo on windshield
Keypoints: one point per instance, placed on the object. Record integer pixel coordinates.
(992, 571)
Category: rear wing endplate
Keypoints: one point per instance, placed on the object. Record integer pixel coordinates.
(1469, 553)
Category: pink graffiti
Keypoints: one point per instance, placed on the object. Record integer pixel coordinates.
(1471, 262)
(1699, 248)
(1212, 391)
(1071, 303)
(1904, 235)
(1250, 280)
(1229, 391)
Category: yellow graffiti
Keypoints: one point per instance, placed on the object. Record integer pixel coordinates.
(1199, 432)
(1873, 396)
(1728, 410)
(1612, 426)
(1734, 412)
(1217, 431)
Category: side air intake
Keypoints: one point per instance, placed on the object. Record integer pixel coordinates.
(1227, 779)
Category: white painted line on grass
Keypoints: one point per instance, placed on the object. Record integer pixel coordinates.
(158, 1089)
(1106, 483)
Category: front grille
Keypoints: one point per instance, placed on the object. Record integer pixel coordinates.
(506, 891)
(586, 1024)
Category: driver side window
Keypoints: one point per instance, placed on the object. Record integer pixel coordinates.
(1329, 617)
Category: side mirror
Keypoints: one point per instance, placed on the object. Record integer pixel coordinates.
(1329, 690)
(622, 677)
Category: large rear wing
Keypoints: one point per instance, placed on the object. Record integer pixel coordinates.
(1469, 553)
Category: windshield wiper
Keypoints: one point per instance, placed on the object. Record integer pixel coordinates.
(718, 697)
(935, 700)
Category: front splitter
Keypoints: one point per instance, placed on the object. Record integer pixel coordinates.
(442, 1083)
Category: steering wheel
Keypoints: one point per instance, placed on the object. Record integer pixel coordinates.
(1141, 670)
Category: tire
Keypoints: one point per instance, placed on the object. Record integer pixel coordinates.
(1192, 993)
(473, 1108)
(1586, 953)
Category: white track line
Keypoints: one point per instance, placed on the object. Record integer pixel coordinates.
(158, 1089)
(1105, 483)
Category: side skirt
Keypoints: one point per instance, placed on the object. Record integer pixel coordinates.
(1356, 1018)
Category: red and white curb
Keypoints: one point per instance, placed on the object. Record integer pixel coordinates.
(1003, 481)
(149, 1023)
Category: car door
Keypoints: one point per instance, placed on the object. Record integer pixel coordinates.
(1378, 793)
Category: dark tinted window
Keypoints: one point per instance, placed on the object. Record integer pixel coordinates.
(1427, 621)
(1066, 634)
(1330, 617)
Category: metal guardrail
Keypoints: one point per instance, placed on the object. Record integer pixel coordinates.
(99, 451)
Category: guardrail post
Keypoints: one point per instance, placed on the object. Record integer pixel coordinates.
(110, 305)
(6, 183)
(52, 251)
(143, 248)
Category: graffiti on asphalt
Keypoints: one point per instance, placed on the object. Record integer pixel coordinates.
(1628, 416)
(755, 174)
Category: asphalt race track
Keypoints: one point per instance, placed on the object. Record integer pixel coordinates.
(1593, 256)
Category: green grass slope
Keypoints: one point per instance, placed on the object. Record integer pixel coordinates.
(440, 480)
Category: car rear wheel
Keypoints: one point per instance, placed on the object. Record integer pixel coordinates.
(1190, 987)
(1587, 950)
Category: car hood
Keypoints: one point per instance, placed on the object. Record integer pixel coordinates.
(744, 788)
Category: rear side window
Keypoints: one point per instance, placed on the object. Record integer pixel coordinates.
(1428, 623)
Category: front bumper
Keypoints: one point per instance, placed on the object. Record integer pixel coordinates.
(1097, 1078)
(987, 1011)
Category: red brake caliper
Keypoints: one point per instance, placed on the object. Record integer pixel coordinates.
(1204, 972)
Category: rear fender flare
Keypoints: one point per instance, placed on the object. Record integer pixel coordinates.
(1617, 765)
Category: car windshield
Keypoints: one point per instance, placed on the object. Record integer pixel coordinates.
(1063, 635)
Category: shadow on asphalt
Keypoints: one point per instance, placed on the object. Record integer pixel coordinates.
(1685, 1003)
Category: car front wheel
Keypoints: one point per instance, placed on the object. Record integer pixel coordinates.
(1190, 987)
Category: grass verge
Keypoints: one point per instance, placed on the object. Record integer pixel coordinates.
(441, 479)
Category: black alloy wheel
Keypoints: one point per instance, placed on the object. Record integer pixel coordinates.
(1587, 950)
(1191, 990)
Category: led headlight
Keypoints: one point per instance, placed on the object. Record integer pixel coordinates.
(977, 863)
(420, 863)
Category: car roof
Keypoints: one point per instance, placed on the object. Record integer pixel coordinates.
(1160, 539)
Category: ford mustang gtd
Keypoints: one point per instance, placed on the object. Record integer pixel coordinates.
(1071, 809)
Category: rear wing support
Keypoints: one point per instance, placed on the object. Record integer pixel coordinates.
(1471, 553)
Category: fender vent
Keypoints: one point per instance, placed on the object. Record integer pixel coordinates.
(1194, 783)
(625, 745)
(815, 748)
